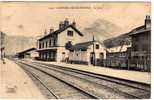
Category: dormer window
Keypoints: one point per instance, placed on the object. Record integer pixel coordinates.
(70, 33)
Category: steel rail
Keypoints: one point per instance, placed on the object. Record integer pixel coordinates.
(92, 81)
(107, 87)
(35, 76)
(103, 77)
(78, 88)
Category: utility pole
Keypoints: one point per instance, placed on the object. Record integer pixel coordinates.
(93, 51)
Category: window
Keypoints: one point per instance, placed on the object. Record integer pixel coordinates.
(135, 47)
(101, 55)
(54, 42)
(97, 46)
(70, 33)
(42, 44)
(77, 54)
(50, 43)
(39, 45)
(46, 44)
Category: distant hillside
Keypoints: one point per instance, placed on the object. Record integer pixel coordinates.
(116, 41)
(102, 29)
(14, 44)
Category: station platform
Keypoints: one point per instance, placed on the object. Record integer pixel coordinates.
(16, 84)
(141, 77)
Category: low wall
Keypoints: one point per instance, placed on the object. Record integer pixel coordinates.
(78, 62)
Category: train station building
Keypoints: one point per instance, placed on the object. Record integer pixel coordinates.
(140, 56)
(52, 46)
(133, 49)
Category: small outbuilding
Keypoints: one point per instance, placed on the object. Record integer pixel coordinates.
(28, 53)
(89, 53)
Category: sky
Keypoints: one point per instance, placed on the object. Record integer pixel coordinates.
(104, 19)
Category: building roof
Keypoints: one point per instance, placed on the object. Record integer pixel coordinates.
(126, 37)
(144, 28)
(61, 30)
(27, 50)
(117, 41)
(82, 46)
(139, 30)
(119, 48)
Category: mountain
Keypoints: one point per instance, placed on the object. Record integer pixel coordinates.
(108, 33)
(14, 44)
(102, 29)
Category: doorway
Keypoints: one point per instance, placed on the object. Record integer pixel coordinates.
(92, 58)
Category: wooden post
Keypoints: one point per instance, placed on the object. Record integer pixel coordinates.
(93, 51)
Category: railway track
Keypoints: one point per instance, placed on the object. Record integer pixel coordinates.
(135, 90)
(92, 84)
(58, 88)
(137, 85)
(43, 87)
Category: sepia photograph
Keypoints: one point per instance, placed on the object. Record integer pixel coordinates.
(75, 50)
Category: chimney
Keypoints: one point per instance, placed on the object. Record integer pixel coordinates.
(61, 24)
(51, 29)
(74, 23)
(45, 32)
(66, 22)
(147, 22)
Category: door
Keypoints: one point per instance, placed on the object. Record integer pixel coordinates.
(63, 57)
(92, 58)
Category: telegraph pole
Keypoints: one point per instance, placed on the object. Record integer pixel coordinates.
(93, 51)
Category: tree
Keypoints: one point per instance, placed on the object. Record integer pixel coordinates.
(68, 45)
